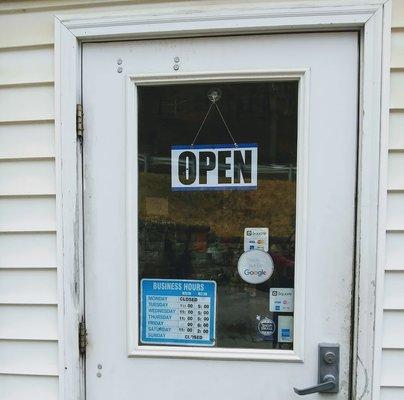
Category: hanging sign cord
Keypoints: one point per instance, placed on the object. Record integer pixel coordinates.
(225, 124)
(214, 96)
(202, 124)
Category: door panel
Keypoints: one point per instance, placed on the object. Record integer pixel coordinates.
(294, 97)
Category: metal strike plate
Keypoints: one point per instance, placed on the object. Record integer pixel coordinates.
(328, 364)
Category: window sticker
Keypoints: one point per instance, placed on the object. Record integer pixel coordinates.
(255, 266)
(256, 239)
(285, 329)
(214, 167)
(266, 327)
(178, 312)
(281, 299)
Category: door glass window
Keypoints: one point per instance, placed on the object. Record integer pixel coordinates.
(233, 230)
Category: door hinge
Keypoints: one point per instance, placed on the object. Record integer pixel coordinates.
(82, 337)
(79, 121)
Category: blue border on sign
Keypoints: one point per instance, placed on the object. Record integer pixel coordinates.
(211, 291)
(212, 146)
(204, 188)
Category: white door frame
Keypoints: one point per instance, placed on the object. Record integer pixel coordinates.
(370, 17)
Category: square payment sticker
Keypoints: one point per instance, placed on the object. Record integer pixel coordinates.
(256, 239)
(281, 299)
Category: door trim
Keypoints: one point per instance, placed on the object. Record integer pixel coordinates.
(370, 17)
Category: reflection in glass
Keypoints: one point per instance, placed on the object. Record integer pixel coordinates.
(200, 235)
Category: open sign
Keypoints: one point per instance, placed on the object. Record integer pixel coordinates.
(214, 167)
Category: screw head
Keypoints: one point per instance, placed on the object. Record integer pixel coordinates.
(119, 61)
(176, 59)
(99, 366)
(99, 374)
(329, 357)
(176, 67)
(120, 69)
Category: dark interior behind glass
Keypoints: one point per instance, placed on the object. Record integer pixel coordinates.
(199, 235)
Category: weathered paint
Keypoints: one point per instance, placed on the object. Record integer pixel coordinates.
(27, 242)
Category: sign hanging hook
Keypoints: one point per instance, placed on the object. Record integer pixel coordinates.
(214, 95)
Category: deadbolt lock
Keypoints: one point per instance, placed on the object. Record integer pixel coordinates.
(329, 357)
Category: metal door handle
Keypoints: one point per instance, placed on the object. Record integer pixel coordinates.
(329, 384)
(328, 371)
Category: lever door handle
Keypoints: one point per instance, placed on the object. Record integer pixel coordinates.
(329, 384)
(328, 371)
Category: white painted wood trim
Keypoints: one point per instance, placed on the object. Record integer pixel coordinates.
(206, 19)
(383, 193)
(68, 209)
(134, 349)
(202, 19)
(367, 207)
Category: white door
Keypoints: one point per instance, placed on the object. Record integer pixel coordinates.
(219, 202)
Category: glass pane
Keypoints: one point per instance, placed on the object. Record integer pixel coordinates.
(200, 235)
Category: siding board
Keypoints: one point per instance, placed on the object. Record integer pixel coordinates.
(396, 89)
(28, 213)
(395, 211)
(392, 368)
(392, 394)
(12, 6)
(27, 250)
(28, 322)
(28, 357)
(26, 103)
(27, 177)
(28, 387)
(26, 29)
(19, 286)
(31, 65)
(35, 140)
(397, 50)
(395, 179)
(395, 250)
(396, 137)
(393, 291)
(393, 328)
(397, 14)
